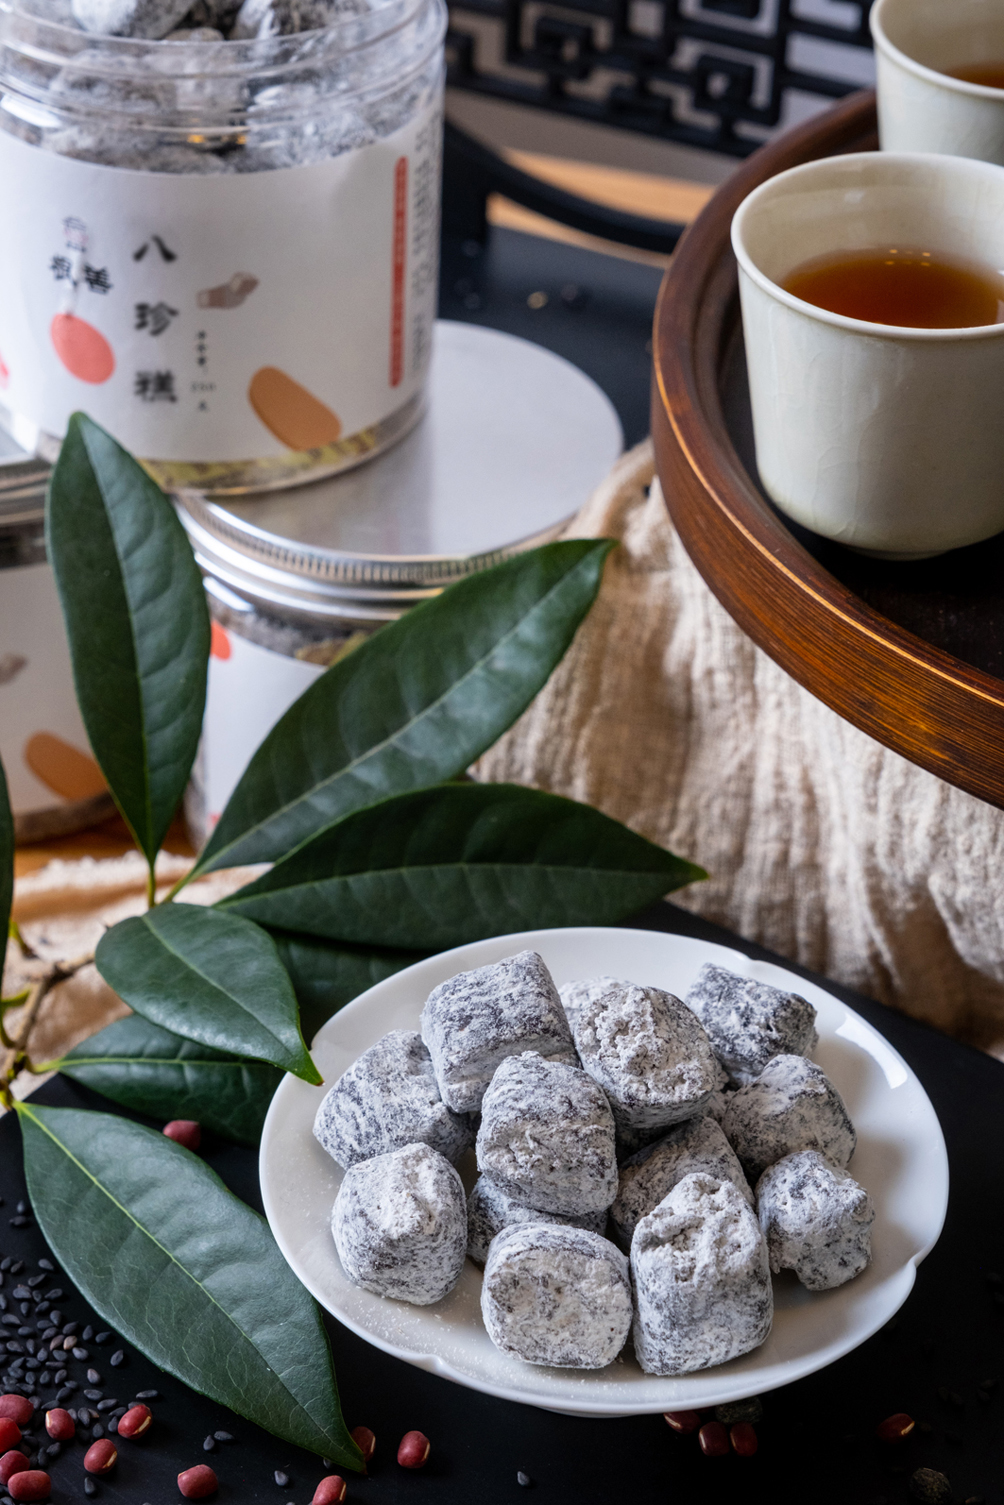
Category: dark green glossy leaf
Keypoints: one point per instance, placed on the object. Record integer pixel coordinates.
(6, 864)
(327, 977)
(137, 623)
(451, 864)
(414, 705)
(184, 1270)
(210, 977)
(153, 1071)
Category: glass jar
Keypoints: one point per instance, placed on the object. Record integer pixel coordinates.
(224, 251)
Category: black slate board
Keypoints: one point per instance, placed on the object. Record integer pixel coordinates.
(816, 1438)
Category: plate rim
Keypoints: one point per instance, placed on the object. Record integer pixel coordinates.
(900, 1284)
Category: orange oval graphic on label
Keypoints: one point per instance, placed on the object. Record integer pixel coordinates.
(295, 416)
(66, 770)
(219, 642)
(84, 352)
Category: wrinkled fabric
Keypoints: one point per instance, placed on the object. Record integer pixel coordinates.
(821, 843)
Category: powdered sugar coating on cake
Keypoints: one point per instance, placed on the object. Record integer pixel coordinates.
(647, 1051)
(556, 1296)
(697, 1146)
(489, 1210)
(575, 995)
(474, 1020)
(400, 1225)
(791, 1106)
(547, 1136)
(389, 1098)
(702, 1284)
(748, 1022)
(816, 1219)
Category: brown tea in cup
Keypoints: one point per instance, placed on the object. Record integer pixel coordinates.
(990, 75)
(910, 288)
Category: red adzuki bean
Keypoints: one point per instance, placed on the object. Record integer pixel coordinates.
(10, 1433)
(330, 1491)
(198, 1483)
(743, 1439)
(365, 1441)
(135, 1422)
(714, 1439)
(682, 1421)
(33, 1484)
(17, 1408)
(895, 1428)
(413, 1450)
(12, 1463)
(101, 1457)
(60, 1425)
(184, 1131)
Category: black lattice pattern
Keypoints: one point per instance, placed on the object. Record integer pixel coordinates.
(720, 74)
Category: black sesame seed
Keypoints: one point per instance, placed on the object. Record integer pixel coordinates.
(209, 1445)
(3, 1303)
(108, 1404)
(112, 1423)
(69, 1328)
(117, 1358)
(59, 1376)
(97, 1431)
(22, 1206)
(46, 1264)
(990, 1384)
(36, 1280)
(17, 1267)
(19, 1222)
(94, 1377)
(65, 1393)
(81, 1355)
(90, 1488)
(87, 1334)
(72, 1385)
(281, 1479)
(100, 1338)
(523, 1479)
(6, 1262)
(147, 1394)
(21, 1293)
(25, 1307)
(95, 1394)
(228, 1437)
(42, 1307)
(55, 1318)
(54, 1449)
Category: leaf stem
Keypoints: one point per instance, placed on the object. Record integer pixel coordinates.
(16, 1058)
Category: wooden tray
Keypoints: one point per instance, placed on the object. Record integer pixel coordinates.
(913, 654)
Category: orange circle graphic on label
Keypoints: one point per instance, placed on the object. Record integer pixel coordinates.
(84, 352)
(220, 643)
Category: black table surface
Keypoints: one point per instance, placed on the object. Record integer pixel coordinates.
(817, 1440)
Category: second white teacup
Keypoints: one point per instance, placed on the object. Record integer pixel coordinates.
(921, 108)
(887, 438)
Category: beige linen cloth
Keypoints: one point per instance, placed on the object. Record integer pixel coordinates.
(820, 843)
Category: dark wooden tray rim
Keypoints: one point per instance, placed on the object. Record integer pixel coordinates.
(913, 654)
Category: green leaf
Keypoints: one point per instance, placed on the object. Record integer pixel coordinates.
(6, 866)
(184, 1270)
(137, 623)
(158, 1073)
(327, 977)
(451, 864)
(210, 977)
(415, 704)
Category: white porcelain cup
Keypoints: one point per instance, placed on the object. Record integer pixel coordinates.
(888, 439)
(920, 108)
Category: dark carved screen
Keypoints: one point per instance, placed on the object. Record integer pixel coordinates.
(719, 74)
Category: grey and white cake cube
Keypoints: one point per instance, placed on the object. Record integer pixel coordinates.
(400, 1225)
(697, 1146)
(490, 1210)
(702, 1283)
(388, 1098)
(556, 1296)
(648, 1052)
(547, 1136)
(577, 994)
(473, 1021)
(791, 1106)
(748, 1022)
(816, 1219)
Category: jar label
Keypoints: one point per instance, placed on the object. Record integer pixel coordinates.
(220, 317)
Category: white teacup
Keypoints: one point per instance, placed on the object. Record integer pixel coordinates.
(888, 439)
(920, 108)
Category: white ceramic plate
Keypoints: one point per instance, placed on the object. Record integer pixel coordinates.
(900, 1159)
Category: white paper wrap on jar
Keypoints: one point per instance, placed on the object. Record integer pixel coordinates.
(226, 253)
